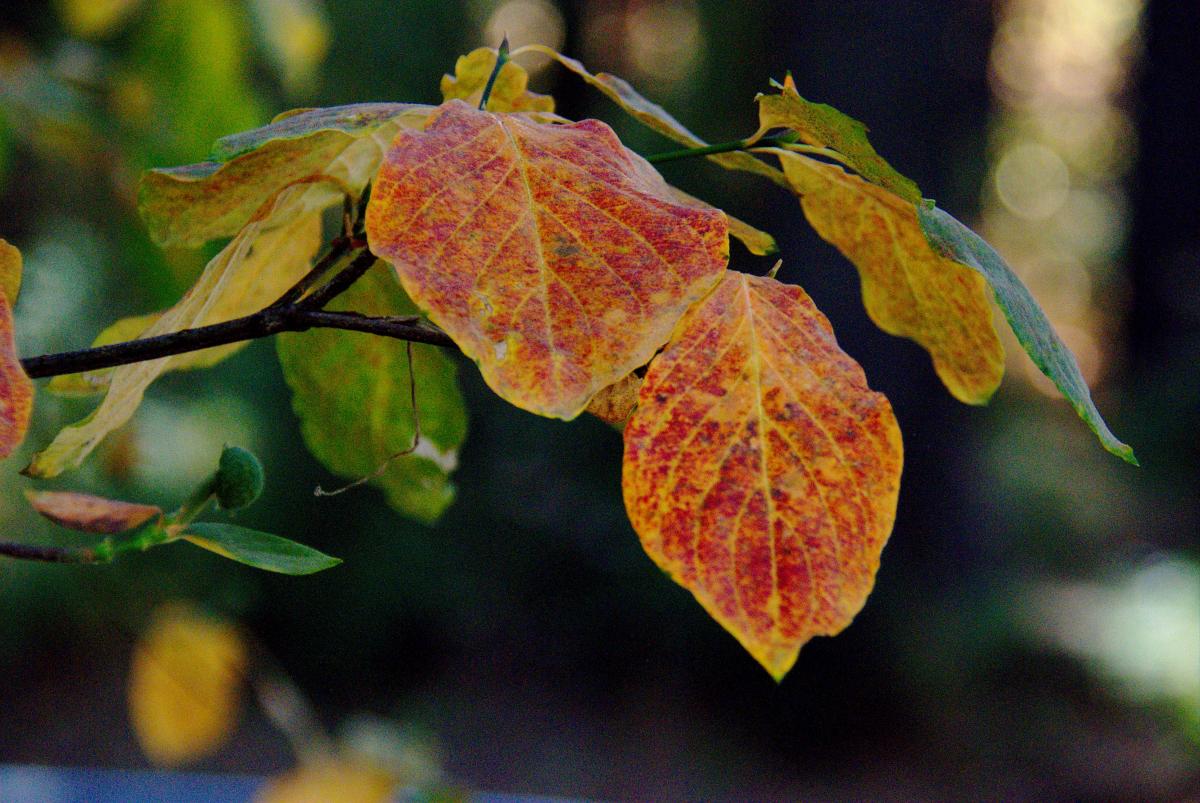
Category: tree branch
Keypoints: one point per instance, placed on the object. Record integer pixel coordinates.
(270, 321)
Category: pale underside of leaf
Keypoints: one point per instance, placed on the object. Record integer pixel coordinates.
(190, 205)
(1029, 323)
(556, 258)
(352, 393)
(268, 255)
(908, 289)
(760, 470)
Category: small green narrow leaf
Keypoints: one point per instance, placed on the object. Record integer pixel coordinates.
(1029, 323)
(258, 549)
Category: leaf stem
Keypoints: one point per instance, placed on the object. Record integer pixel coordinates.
(786, 141)
(501, 60)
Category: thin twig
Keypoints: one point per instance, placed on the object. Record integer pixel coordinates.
(416, 419)
(339, 284)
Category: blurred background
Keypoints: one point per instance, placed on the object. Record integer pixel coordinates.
(1035, 629)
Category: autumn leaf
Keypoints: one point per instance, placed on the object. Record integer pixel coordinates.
(16, 389)
(552, 255)
(190, 205)
(10, 271)
(509, 93)
(1033, 330)
(826, 127)
(91, 514)
(757, 242)
(614, 404)
(266, 258)
(184, 685)
(653, 116)
(352, 394)
(760, 470)
(908, 289)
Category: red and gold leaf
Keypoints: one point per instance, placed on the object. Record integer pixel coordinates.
(555, 257)
(760, 470)
(16, 389)
(91, 514)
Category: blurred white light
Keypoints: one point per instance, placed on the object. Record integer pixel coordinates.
(1032, 180)
(527, 22)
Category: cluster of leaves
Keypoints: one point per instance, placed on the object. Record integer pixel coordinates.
(760, 470)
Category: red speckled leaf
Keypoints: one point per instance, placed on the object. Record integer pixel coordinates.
(555, 257)
(91, 514)
(760, 470)
(16, 390)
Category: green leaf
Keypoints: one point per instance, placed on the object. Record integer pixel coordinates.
(192, 204)
(258, 549)
(825, 127)
(952, 239)
(351, 392)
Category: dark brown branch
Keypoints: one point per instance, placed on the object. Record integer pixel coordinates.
(49, 554)
(264, 323)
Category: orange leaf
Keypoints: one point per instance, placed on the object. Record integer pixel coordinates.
(91, 514)
(908, 290)
(555, 257)
(16, 389)
(760, 470)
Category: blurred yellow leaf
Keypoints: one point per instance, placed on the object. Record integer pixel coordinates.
(296, 34)
(509, 94)
(184, 685)
(330, 780)
(95, 19)
(270, 254)
(10, 271)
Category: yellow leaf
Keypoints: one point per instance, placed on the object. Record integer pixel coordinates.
(10, 271)
(760, 470)
(330, 780)
(509, 93)
(190, 205)
(184, 685)
(269, 255)
(555, 257)
(908, 290)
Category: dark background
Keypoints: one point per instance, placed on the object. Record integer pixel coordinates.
(527, 632)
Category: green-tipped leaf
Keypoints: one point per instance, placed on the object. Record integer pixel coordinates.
(258, 549)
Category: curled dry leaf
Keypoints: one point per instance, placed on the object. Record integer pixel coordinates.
(908, 289)
(760, 470)
(509, 93)
(91, 514)
(190, 205)
(185, 685)
(268, 255)
(554, 256)
(614, 404)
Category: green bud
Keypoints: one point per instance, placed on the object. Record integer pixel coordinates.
(239, 479)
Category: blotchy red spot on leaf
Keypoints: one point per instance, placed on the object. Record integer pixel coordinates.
(760, 470)
(16, 390)
(91, 514)
(555, 257)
